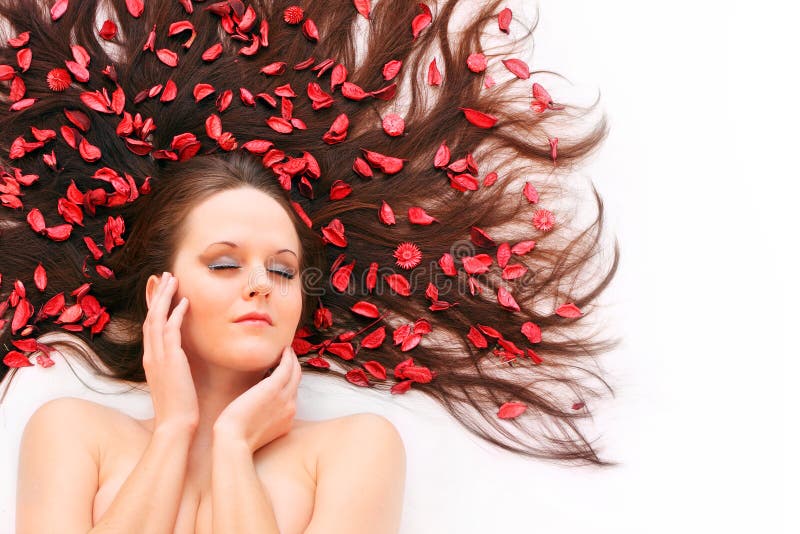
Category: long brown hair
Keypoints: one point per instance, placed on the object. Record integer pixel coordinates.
(554, 378)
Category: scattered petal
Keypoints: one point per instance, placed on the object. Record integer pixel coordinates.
(510, 410)
(569, 310)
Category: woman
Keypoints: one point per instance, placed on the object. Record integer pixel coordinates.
(430, 165)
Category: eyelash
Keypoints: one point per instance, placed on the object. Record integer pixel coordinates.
(285, 274)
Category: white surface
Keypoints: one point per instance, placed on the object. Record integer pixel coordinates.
(696, 191)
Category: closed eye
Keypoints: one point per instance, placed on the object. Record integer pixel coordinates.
(285, 274)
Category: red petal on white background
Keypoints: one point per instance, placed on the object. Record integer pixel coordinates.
(362, 6)
(108, 31)
(514, 271)
(504, 20)
(518, 68)
(510, 410)
(420, 22)
(434, 76)
(530, 193)
(523, 247)
(532, 332)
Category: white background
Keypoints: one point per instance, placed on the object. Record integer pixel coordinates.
(700, 190)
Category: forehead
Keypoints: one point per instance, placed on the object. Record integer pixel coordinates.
(247, 216)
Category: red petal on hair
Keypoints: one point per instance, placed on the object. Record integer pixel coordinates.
(387, 164)
(70, 315)
(6, 72)
(227, 141)
(401, 387)
(88, 151)
(473, 265)
(93, 248)
(478, 118)
(69, 136)
(357, 377)
(310, 30)
(442, 157)
(319, 98)
(384, 93)
(481, 238)
(543, 220)
(504, 20)
(362, 168)
(393, 124)
(512, 272)
(503, 255)
(301, 213)
(417, 215)
(447, 264)
(170, 91)
(80, 55)
(434, 76)
(274, 69)
(374, 339)
(372, 276)
(70, 211)
(399, 284)
(24, 57)
(386, 214)
(224, 100)
(118, 100)
(16, 359)
(246, 97)
(334, 233)
(338, 75)
(180, 26)
(464, 182)
(344, 351)
(140, 148)
(569, 310)
(20, 40)
(553, 148)
(420, 22)
(252, 48)
(341, 278)
(530, 193)
(542, 99)
(167, 57)
(340, 189)
(532, 332)
(135, 7)
(202, 90)
(338, 130)
(476, 62)
(108, 31)
(25, 103)
(523, 247)
(58, 9)
(518, 68)
(53, 306)
(367, 309)
(257, 146)
(510, 410)
(78, 118)
(362, 6)
(96, 101)
(280, 125)
(105, 272)
(263, 33)
(318, 362)
(212, 52)
(40, 278)
(578, 405)
(375, 369)
(391, 68)
(151, 40)
(352, 91)
(477, 338)
(59, 233)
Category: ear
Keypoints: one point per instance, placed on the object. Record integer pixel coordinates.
(152, 283)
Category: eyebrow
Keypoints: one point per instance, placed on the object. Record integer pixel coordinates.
(234, 245)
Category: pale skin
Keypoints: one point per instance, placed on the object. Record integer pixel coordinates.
(214, 408)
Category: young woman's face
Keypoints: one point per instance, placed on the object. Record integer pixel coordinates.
(239, 255)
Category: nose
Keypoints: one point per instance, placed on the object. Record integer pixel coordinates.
(258, 282)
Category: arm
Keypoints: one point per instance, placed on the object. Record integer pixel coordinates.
(239, 502)
(364, 476)
(59, 475)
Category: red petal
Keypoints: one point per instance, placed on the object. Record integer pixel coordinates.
(36, 220)
(362, 168)
(357, 377)
(553, 148)
(476, 62)
(96, 101)
(341, 278)
(108, 31)
(442, 157)
(393, 124)
(510, 410)
(58, 9)
(353, 92)
(419, 23)
(518, 68)
(530, 193)
(257, 146)
(343, 350)
(340, 189)
(417, 215)
(273, 69)
(503, 255)
(391, 69)
(387, 164)
(362, 6)
(310, 30)
(477, 338)
(480, 238)
(167, 57)
(478, 118)
(280, 125)
(224, 100)
(374, 339)
(532, 332)
(434, 76)
(202, 90)
(135, 7)
(20, 40)
(25, 103)
(504, 20)
(506, 300)
(401, 387)
(24, 57)
(17, 89)
(399, 284)
(59, 233)
(375, 369)
(447, 264)
(386, 214)
(40, 278)
(89, 152)
(578, 405)
(16, 359)
(523, 247)
(213, 52)
(569, 310)
(170, 91)
(367, 309)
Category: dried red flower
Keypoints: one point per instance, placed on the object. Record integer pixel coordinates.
(58, 79)
(408, 255)
(543, 220)
(393, 124)
(293, 14)
(476, 62)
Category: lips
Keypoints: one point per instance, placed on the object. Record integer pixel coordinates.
(255, 317)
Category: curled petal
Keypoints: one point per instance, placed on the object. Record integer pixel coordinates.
(108, 31)
(387, 164)
(310, 30)
(58, 9)
(274, 69)
(167, 57)
(478, 118)
(24, 58)
(510, 410)
(367, 309)
(202, 90)
(386, 214)
(212, 52)
(518, 68)
(434, 76)
(569, 310)
(417, 215)
(135, 7)
(504, 20)
(362, 6)
(170, 92)
(391, 69)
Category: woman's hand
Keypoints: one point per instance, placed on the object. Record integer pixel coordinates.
(264, 412)
(165, 364)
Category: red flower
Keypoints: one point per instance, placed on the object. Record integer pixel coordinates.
(293, 14)
(408, 255)
(393, 124)
(476, 62)
(58, 79)
(543, 220)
